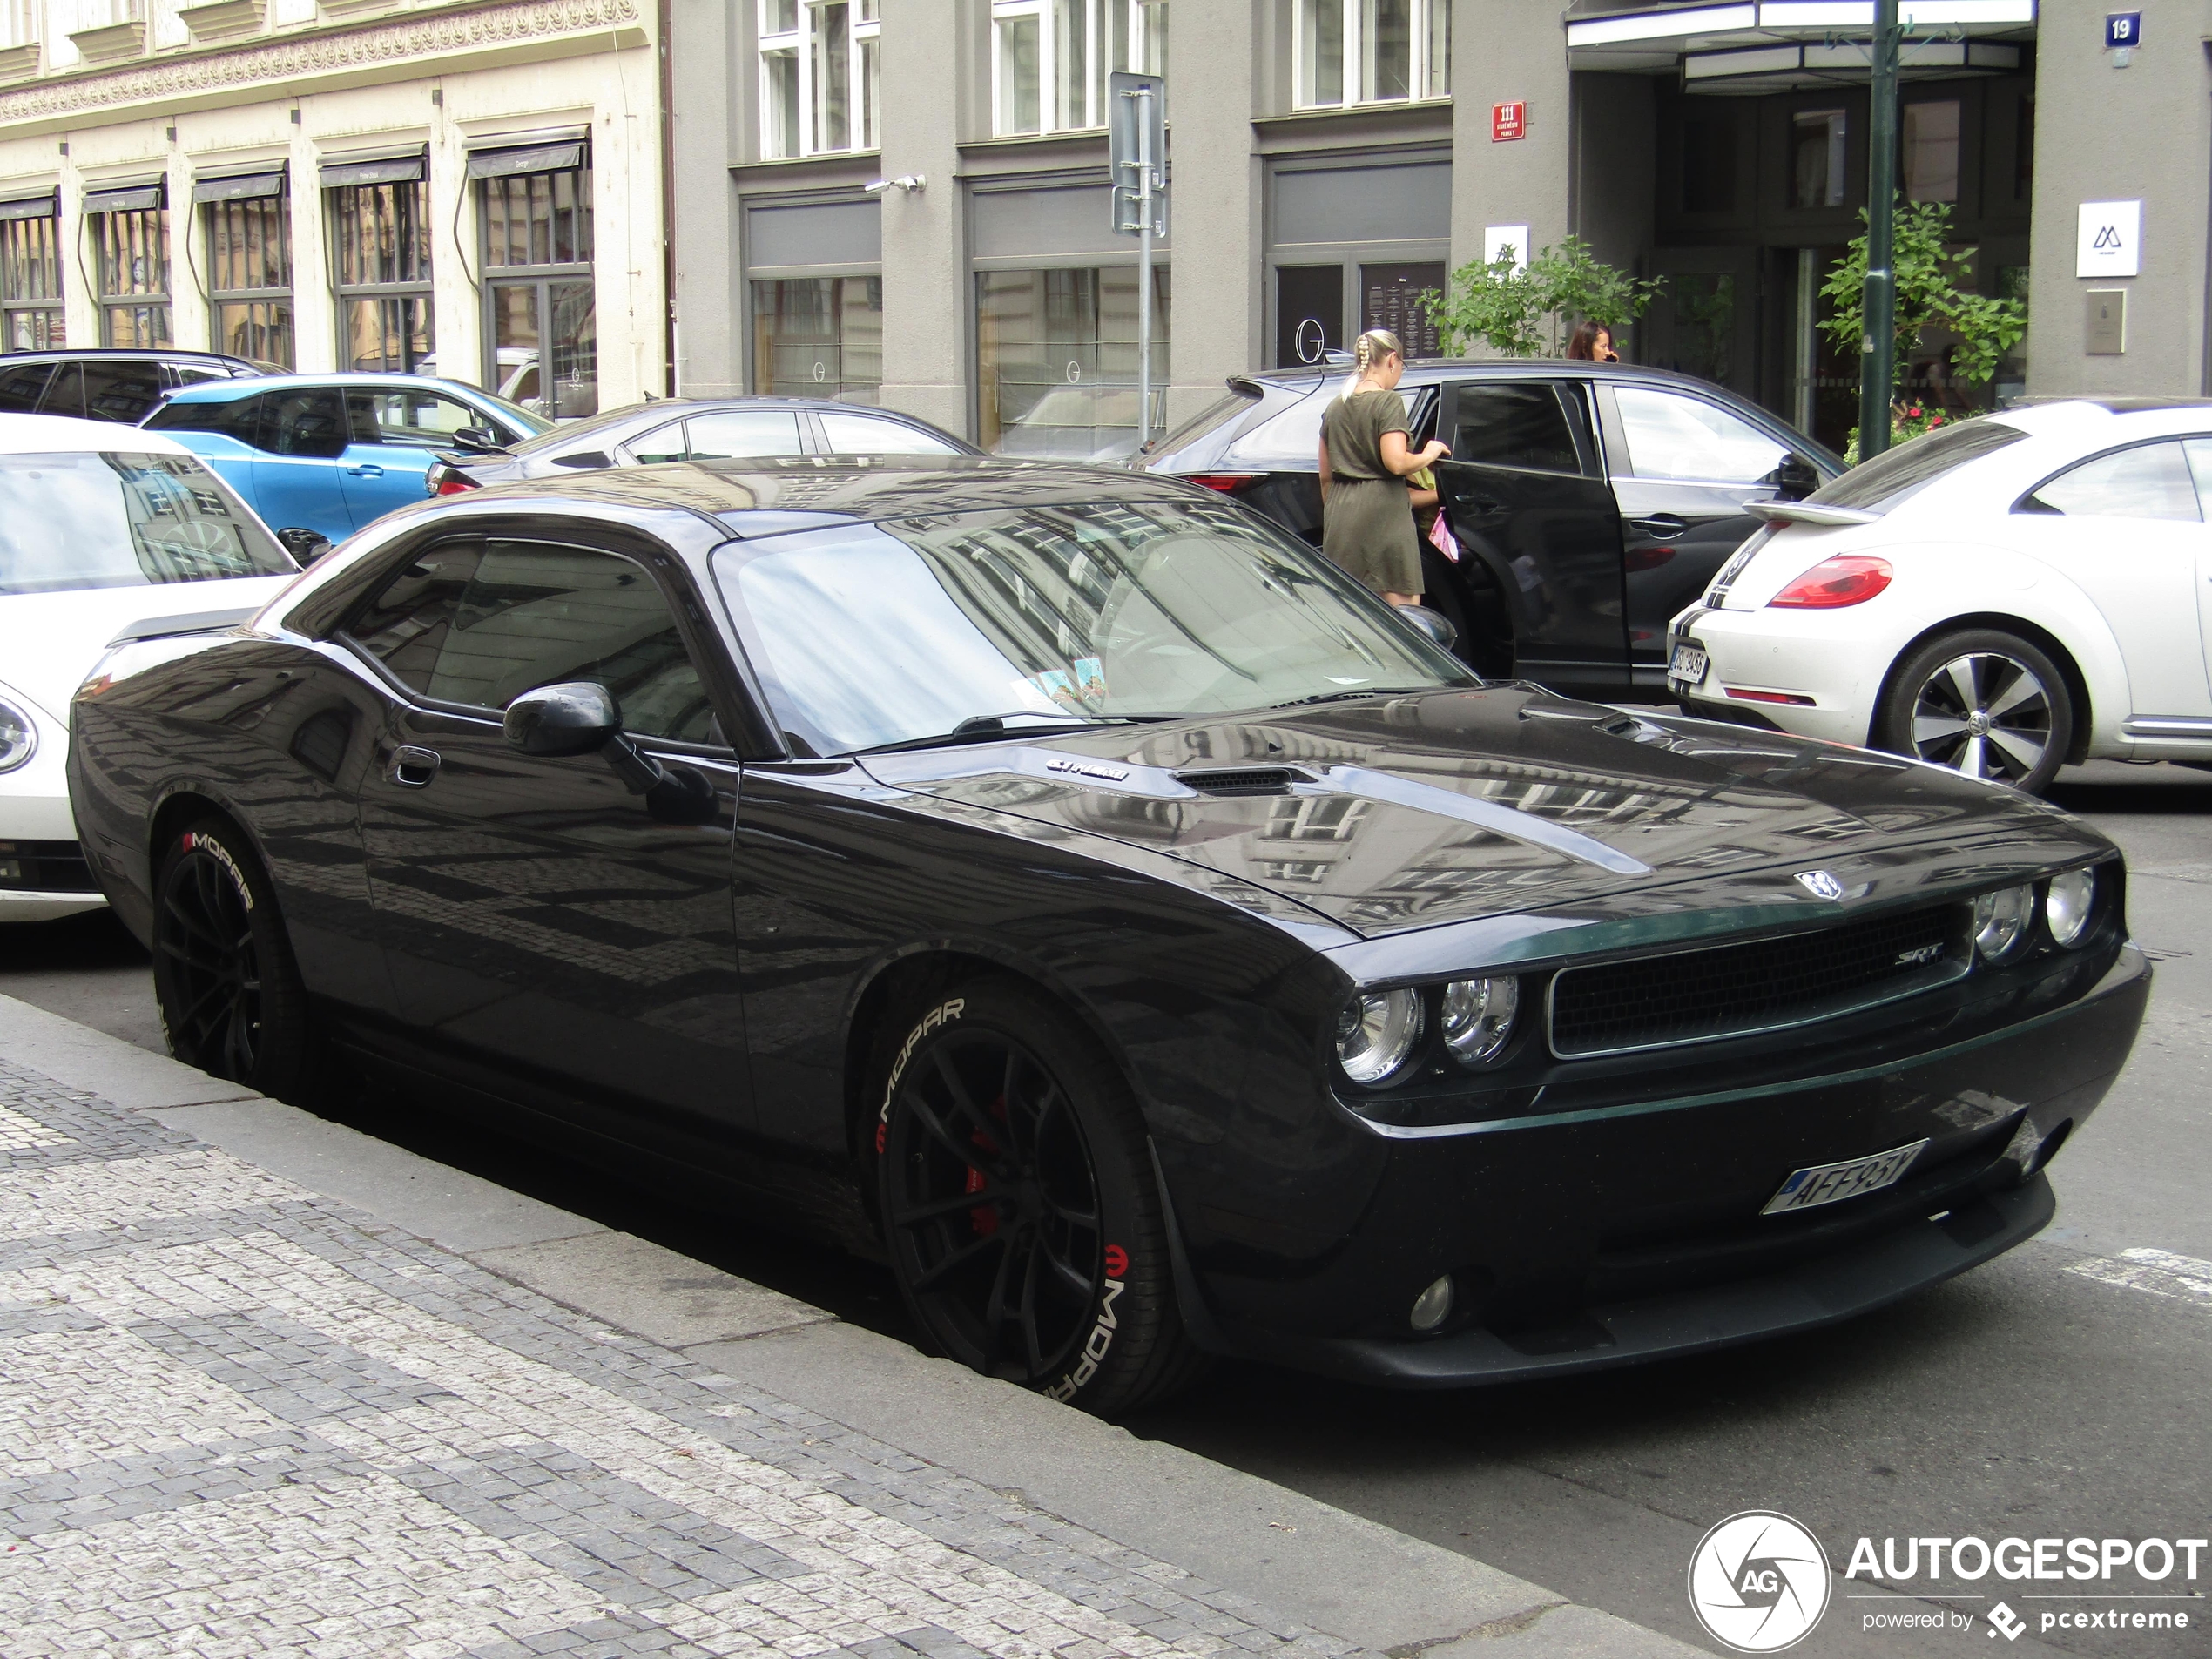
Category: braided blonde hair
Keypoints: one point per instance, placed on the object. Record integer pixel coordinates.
(1370, 349)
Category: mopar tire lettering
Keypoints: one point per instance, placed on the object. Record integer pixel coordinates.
(1095, 1345)
(930, 1022)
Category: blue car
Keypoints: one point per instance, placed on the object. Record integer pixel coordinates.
(327, 453)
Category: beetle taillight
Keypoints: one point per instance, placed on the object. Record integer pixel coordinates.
(1847, 579)
(1227, 483)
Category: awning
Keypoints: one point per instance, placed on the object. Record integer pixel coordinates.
(508, 154)
(1780, 68)
(238, 187)
(44, 207)
(1602, 35)
(380, 170)
(127, 199)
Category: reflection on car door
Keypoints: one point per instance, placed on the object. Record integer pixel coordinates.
(2127, 529)
(394, 437)
(541, 923)
(297, 473)
(1536, 526)
(1682, 467)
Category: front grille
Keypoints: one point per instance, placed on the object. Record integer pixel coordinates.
(1243, 780)
(1691, 995)
(44, 867)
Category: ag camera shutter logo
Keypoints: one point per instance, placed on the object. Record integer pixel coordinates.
(1758, 1582)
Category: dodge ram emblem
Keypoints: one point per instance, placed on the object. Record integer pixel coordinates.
(1820, 884)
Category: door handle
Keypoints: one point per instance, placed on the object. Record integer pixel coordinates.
(1660, 526)
(365, 472)
(413, 767)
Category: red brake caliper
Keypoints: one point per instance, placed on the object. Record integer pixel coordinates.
(984, 1217)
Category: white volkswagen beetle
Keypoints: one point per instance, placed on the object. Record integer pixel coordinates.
(2004, 597)
(104, 529)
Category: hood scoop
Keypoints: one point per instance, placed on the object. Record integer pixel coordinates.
(1243, 780)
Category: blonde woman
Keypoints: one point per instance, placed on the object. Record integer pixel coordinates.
(1367, 505)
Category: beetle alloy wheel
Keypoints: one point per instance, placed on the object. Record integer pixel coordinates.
(205, 936)
(1986, 714)
(993, 1206)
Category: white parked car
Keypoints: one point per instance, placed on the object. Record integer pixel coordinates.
(2003, 596)
(104, 529)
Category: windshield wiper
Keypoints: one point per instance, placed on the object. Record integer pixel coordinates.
(1346, 695)
(983, 728)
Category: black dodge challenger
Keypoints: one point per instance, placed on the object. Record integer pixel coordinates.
(1069, 887)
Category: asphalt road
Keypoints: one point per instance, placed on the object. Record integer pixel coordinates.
(2064, 1390)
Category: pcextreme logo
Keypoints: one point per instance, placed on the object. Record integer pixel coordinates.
(1758, 1582)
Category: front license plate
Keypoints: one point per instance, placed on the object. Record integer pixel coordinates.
(1830, 1183)
(1688, 665)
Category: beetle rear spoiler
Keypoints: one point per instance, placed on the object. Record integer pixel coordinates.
(197, 622)
(1809, 512)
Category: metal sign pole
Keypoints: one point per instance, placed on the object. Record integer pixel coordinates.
(1878, 303)
(1143, 95)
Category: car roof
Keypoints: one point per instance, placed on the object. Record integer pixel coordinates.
(764, 400)
(149, 353)
(37, 435)
(224, 391)
(836, 487)
(1428, 371)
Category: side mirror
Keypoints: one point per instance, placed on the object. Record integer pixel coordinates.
(1795, 478)
(476, 437)
(304, 544)
(1434, 623)
(575, 717)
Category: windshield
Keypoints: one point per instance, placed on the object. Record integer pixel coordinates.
(120, 520)
(869, 634)
(1889, 478)
(528, 423)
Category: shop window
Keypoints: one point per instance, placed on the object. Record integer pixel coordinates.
(541, 334)
(1393, 297)
(1709, 165)
(1931, 141)
(131, 258)
(1370, 52)
(1817, 155)
(249, 277)
(30, 277)
(820, 76)
(819, 337)
(1049, 58)
(1056, 361)
(1309, 313)
(380, 231)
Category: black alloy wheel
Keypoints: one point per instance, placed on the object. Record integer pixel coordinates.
(224, 977)
(1024, 1224)
(1986, 704)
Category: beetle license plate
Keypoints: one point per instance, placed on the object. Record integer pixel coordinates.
(1830, 1183)
(1688, 665)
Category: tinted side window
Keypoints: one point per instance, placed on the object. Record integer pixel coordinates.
(662, 443)
(194, 375)
(20, 385)
(482, 626)
(121, 390)
(304, 424)
(2150, 480)
(1672, 436)
(728, 433)
(864, 435)
(1514, 425)
(237, 417)
(66, 394)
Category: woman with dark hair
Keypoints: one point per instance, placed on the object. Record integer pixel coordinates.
(1591, 342)
(1366, 504)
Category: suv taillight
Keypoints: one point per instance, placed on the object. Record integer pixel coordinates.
(1227, 483)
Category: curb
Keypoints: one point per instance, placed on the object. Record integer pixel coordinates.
(1323, 1567)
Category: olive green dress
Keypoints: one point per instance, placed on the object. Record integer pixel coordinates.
(1367, 522)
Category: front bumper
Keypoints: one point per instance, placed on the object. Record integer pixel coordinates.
(43, 879)
(1586, 1239)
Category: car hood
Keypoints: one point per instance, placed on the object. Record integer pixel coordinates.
(50, 641)
(1395, 813)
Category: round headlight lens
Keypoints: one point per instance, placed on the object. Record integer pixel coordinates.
(1376, 1032)
(2067, 907)
(1478, 1018)
(17, 737)
(2001, 920)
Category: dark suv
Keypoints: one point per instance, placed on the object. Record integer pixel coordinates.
(110, 385)
(1589, 501)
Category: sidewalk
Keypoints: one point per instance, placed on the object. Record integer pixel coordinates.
(271, 1388)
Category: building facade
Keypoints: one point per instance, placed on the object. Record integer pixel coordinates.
(472, 189)
(1331, 158)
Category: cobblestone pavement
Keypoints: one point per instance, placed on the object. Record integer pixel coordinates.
(237, 1419)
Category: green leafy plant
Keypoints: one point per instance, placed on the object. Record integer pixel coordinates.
(1527, 310)
(1930, 292)
(1907, 422)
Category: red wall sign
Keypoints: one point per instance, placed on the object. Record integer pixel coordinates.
(1508, 121)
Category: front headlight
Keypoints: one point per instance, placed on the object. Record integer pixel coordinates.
(2067, 908)
(1478, 1018)
(2001, 920)
(18, 736)
(1375, 1033)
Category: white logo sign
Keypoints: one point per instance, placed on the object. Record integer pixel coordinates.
(1820, 884)
(1758, 1582)
(2008, 1623)
(2110, 239)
